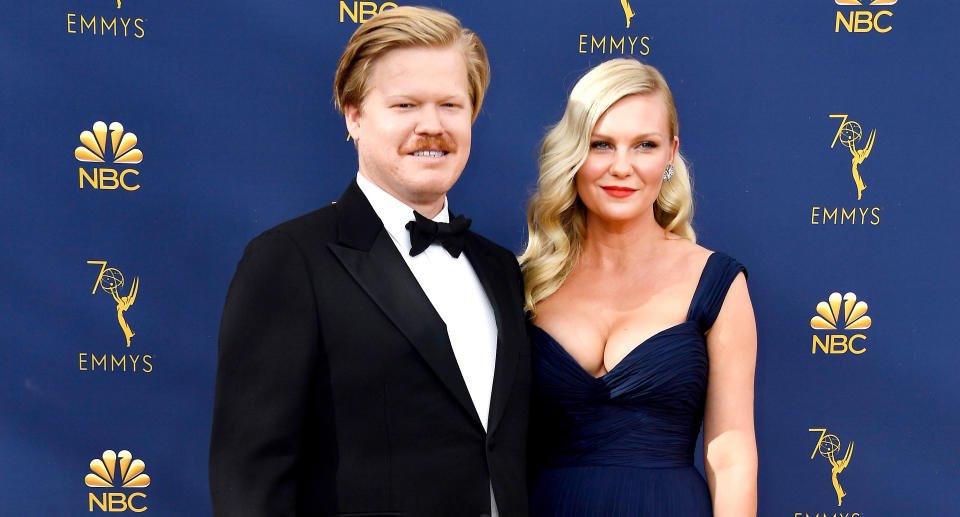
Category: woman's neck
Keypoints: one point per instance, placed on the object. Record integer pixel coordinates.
(615, 243)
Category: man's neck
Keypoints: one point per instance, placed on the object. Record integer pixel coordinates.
(428, 208)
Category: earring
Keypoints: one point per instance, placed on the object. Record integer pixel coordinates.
(668, 173)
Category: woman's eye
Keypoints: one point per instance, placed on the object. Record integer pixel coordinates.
(647, 145)
(599, 145)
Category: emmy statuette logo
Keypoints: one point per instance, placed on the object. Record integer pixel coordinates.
(124, 293)
(861, 20)
(616, 44)
(123, 152)
(830, 318)
(627, 11)
(828, 446)
(117, 470)
(110, 280)
(849, 134)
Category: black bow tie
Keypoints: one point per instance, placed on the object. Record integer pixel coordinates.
(424, 232)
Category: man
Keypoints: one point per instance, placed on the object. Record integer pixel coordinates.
(360, 375)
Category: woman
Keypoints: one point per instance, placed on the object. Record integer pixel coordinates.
(628, 313)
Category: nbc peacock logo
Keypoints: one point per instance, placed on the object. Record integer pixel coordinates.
(117, 470)
(854, 313)
(108, 145)
(104, 471)
(840, 313)
(123, 144)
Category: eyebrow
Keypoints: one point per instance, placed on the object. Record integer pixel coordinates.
(636, 137)
(420, 95)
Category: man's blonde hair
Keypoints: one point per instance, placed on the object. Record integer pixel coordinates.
(405, 27)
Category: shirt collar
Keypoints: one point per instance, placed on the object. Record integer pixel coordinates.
(393, 213)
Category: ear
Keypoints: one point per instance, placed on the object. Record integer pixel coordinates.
(673, 152)
(352, 116)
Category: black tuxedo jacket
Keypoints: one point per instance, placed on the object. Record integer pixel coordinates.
(338, 392)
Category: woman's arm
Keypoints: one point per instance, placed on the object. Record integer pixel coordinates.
(729, 440)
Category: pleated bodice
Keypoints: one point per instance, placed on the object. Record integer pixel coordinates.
(645, 413)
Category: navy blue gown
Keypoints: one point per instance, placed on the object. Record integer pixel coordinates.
(622, 444)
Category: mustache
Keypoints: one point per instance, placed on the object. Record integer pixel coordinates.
(438, 143)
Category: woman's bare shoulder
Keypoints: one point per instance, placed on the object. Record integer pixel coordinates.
(690, 254)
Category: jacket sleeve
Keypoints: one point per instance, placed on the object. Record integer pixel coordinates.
(267, 353)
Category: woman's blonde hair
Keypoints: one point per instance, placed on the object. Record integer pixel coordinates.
(556, 217)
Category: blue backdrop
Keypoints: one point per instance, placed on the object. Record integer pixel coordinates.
(230, 104)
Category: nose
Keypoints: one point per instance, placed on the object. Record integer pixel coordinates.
(429, 121)
(621, 166)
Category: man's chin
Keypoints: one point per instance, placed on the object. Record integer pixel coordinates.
(432, 179)
(429, 193)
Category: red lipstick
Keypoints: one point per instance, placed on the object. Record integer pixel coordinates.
(618, 191)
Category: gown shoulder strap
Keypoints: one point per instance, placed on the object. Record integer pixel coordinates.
(715, 281)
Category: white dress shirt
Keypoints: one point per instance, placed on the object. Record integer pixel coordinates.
(455, 292)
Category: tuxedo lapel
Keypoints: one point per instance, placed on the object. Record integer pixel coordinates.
(366, 251)
(495, 283)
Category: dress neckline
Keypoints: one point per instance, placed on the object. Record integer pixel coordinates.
(566, 354)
